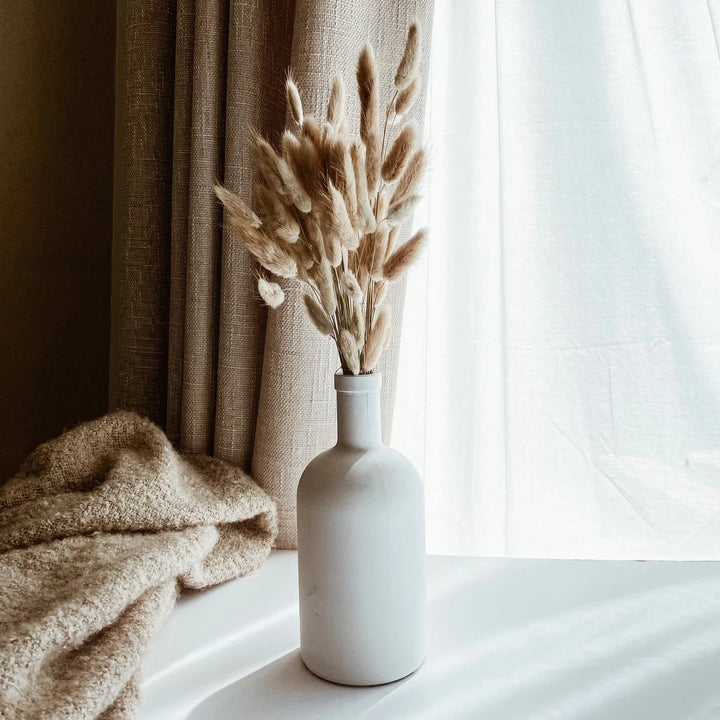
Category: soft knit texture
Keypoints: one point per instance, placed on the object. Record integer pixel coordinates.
(98, 532)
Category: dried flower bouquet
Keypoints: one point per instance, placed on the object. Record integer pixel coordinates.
(330, 209)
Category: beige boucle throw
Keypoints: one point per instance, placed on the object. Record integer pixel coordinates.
(98, 532)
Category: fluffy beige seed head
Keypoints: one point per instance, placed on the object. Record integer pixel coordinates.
(350, 286)
(369, 120)
(236, 206)
(270, 292)
(336, 104)
(405, 255)
(349, 351)
(267, 164)
(338, 220)
(399, 210)
(267, 251)
(377, 339)
(317, 315)
(294, 102)
(399, 154)
(368, 93)
(311, 129)
(365, 216)
(305, 163)
(406, 98)
(410, 179)
(280, 177)
(322, 275)
(342, 176)
(357, 323)
(290, 144)
(294, 191)
(372, 167)
(407, 69)
(277, 216)
(333, 249)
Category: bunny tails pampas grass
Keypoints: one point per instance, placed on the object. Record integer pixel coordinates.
(329, 207)
(270, 292)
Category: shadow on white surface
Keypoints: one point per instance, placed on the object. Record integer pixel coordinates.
(508, 640)
(286, 688)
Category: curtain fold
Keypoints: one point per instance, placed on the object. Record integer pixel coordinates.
(192, 346)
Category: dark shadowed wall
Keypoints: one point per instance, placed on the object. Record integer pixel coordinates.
(56, 145)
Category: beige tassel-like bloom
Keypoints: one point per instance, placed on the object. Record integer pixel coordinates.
(304, 161)
(338, 220)
(365, 214)
(270, 292)
(324, 282)
(278, 216)
(293, 189)
(349, 283)
(236, 206)
(399, 154)
(290, 145)
(406, 98)
(342, 176)
(267, 164)
(399, 210)
(377, 338)
(267, 252)
(369, 118)
(312, 130)
(357, 324)
(333, 249)
(336, 104)
(280, 177)
(405, 255)
(349, 351)
(317, 315)
(294, 102)
(410, 60)
(410, 179)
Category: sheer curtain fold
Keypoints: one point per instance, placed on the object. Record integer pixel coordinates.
(572, 382)
(192, 346)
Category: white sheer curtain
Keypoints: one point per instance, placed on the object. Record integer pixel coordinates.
(560, 371)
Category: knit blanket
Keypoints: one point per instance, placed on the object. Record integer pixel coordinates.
(99, 531)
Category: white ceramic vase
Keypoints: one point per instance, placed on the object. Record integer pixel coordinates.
(361, 550)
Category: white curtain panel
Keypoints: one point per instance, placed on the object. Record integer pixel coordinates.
(560, 371)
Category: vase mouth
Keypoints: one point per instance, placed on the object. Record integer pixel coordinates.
(358, 383)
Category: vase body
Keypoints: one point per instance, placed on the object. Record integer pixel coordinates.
(361, 550)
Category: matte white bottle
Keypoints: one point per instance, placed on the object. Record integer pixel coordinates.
(361, 550)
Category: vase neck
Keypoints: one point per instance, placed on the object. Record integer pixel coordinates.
(358, 411)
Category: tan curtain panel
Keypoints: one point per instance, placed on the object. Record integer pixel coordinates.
(192, 346)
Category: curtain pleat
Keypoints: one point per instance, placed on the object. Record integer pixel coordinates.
(224, 376)
(182, 134)
(258, 59)
(143, 186)
(202, 281)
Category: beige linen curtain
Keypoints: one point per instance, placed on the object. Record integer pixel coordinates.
(192, 346)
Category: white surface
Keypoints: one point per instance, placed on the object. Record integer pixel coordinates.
(361, 550)
(559, 387)
(508, 640)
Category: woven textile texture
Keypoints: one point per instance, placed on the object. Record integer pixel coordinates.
(98, 531)
(192, 346)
